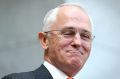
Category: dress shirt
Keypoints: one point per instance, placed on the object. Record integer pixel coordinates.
(56, 73)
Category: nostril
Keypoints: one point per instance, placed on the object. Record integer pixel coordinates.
(76, 45)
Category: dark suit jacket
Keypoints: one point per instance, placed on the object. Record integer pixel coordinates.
(40, 73)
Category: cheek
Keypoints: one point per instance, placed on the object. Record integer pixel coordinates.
(53, 42)
(63, 44)
(57, 46)
(87, 47)
(60, 56)
(61, 47)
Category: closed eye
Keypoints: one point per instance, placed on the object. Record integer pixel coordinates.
(68, 32)
(86, 36)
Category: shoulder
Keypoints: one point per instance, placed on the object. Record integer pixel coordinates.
(23, 75)
(42, 73)
(39, 73)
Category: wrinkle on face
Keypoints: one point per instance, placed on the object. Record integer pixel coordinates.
(62, 54)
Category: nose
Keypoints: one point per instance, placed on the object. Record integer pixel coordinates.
(77, 41)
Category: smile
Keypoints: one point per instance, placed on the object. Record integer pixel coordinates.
(75, 52)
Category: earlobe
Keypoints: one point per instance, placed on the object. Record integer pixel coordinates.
(43, 40)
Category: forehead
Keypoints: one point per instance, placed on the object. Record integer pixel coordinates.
(72, 16)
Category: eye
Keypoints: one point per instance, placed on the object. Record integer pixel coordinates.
(68, 32)
(86, 36)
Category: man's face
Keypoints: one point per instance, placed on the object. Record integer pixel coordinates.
(65, 53)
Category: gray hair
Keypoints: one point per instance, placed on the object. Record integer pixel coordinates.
(51, 16)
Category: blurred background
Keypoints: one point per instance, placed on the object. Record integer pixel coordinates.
(21, 20)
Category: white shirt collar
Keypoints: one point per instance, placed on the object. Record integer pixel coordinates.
(56, 73)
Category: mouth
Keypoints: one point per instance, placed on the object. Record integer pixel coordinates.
(78, 52)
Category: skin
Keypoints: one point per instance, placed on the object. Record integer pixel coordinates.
(65, 55)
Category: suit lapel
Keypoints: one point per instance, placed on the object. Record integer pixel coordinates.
(42, 73)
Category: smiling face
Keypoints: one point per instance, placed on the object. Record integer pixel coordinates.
(69, 55)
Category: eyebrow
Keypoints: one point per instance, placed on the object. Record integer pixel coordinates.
(84, 30)
(70, 27)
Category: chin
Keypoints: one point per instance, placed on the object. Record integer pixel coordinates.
(75, 67)
(76, 64)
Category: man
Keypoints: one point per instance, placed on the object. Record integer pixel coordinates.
(66, 38)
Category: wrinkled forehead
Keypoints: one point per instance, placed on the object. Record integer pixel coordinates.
(72, 16)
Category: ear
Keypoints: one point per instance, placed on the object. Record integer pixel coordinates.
(43, 40)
